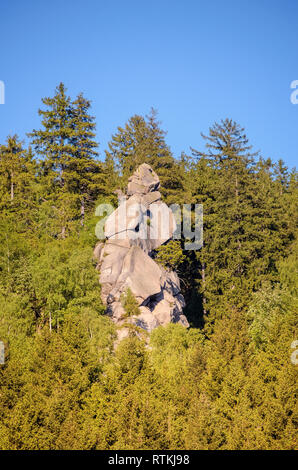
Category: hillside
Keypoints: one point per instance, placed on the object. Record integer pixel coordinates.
(224, 375)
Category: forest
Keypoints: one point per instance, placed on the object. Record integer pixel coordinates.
(228, 381)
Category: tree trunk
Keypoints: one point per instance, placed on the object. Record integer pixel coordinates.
(203, 283)
(237, 204)
(82, 211)
(8, 255)
(11, 186)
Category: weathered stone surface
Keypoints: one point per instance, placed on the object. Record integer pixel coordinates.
(171, 281)
(146, 320)
(137, 227)
(112, 261)
(183, 321)
(125, 218)
(143, 181)
(116, 311)
(162, 224)
(150, 198)
(141, 274)
(141, 222)
(98, 250)
(121, 333)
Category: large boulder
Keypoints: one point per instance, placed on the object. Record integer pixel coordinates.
(143, 181)
(145, 221)
(140, 224)
(124, 219)
(141, 274)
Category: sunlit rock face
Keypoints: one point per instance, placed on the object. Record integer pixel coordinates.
(140, 224)
(143, 181)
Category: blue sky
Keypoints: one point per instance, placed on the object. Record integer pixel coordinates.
(195, 61)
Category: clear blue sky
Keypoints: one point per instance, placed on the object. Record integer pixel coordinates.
(195, 61)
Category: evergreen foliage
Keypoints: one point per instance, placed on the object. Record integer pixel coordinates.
(129, 303)
(227, 382)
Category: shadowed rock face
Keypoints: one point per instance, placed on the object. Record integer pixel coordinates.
(137, 227)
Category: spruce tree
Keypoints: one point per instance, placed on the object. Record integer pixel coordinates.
(72, 176)
(241, 236)
(143, 141)
(16, 172)
(51, 142)
(85, 175)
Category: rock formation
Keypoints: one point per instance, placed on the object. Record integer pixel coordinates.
(140, 224)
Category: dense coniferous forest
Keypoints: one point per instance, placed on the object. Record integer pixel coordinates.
(228, 381)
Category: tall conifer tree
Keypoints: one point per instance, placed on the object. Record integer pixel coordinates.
(143, 141)
(66, 144)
